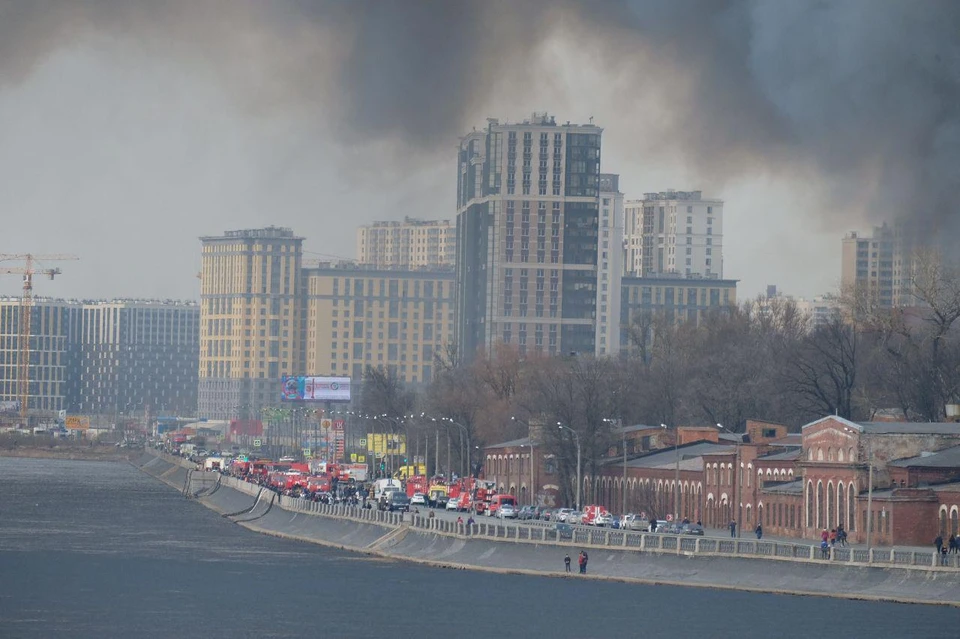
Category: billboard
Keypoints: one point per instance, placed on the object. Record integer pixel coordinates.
(75, 422)
(316, 389)
(379, 444)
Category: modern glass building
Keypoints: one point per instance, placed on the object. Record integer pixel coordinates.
(527, 237)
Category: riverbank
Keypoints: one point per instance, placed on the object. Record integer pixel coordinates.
(80, 452)
(494, 548)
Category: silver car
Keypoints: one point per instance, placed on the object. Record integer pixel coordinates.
(506, 511)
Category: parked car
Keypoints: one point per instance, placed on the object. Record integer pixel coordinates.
(575, 517)
(452, 504)
(603, 519)
(546, 514)
(527, 512)
(668, 527)
(442, 501)
(506, 511)
(692, 529)
(418, 499)
(398, 501)
(561, 515)
(635, 522)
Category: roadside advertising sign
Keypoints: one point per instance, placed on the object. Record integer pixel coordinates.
(316, 389)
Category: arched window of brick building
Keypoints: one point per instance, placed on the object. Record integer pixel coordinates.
(943, 520)
(821, 520)
(830, 513)
(819, 454)
(841, 505)
(953, 521)
(839, 454)
(830, 453)
(808, 501)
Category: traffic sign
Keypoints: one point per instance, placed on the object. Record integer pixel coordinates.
(257, 443)
(363, 441)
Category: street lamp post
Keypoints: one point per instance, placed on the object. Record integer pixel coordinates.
(676, 485)
(576, 436)
(623, 488)
(466, 432)
(738, 477)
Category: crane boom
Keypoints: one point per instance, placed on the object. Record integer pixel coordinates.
(25, 323)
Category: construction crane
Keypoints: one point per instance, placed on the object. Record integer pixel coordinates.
(28, 270)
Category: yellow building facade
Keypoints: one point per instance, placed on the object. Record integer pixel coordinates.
(250, 314)
(395, 319)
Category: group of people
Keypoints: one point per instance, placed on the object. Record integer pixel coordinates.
(952, 546)
(828, 539)
(581, 560)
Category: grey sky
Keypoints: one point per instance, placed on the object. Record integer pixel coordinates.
(130, 128)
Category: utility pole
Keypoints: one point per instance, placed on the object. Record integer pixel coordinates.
(576, 436)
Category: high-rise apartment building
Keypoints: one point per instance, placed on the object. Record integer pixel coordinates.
(609, 265)
(675, 299)
(138, 356)
(104, 358)
(867, 263)
(250, 320)
(54, 328)
(674, 233)
(358, 316)
(527, 230)
(411, 244)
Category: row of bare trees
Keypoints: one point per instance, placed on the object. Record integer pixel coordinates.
(760, 360)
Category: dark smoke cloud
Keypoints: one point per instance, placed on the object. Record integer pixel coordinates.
(858, 98)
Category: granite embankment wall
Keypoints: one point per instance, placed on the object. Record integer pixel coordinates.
(614, 555)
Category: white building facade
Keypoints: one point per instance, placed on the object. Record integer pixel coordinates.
(609, 265)
(677, 233)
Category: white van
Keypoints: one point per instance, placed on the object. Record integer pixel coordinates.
(383, 486)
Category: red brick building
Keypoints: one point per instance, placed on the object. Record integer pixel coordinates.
(795, 485)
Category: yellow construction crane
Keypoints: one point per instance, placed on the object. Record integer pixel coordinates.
(28, 270)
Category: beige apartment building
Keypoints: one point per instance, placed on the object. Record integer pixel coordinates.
(250, 313)
(867, 264)
(674, 233)
(359, 316)
(411, 244)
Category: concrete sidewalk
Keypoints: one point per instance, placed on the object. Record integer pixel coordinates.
(724, 533)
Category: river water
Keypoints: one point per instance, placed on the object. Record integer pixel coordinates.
(90, 549)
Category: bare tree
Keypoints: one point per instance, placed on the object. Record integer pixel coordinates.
(822, 372)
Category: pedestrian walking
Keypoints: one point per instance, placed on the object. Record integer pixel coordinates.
(833, 537)
(824, 549)
(733, 528)
(759, 531)
(952, 543)
(566, 562)
(582, 563)
(586, 558)
(841, 535)
(943, 556)
(938, 542)
(824, 536)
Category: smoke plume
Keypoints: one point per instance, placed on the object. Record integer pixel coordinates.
(860, 99)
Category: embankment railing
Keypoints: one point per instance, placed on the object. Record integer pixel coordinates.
(686, 544)
(620, 539)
